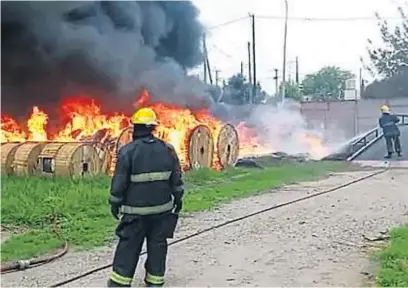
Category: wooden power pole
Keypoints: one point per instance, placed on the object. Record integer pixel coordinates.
(276, 82)
(249, 64)
(204, 60)
(253, 59)
(216, 77)
(297, 71)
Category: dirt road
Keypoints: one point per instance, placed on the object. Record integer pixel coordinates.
(311, 243)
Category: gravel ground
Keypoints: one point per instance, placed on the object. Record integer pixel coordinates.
(311, 243)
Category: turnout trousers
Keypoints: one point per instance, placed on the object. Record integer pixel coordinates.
(132, 231)
(393, 142)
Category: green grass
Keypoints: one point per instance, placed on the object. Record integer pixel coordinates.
(393, 260)
(83, 212)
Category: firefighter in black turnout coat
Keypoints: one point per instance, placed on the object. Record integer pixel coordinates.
(388, 123)
(146, 195)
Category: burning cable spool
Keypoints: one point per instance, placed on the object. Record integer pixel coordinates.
(200, 148)
(104, 156)
(8, 151)
(25, 159)
(76, 159)
(100, 140)
(124, 137)
(227, 146)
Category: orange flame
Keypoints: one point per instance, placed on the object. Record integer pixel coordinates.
(176, 122)
(83, 118)
(36, 125)
(10, 130)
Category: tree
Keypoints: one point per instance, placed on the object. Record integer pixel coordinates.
(393, 87)
(237, 91)
(389, 62)
(327, 83)
(292, 90)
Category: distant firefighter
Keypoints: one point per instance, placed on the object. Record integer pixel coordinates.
(388, 123)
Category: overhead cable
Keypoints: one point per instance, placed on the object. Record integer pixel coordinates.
(315, 19)
(228, 23)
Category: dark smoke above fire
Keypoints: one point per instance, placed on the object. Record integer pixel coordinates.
(111, 48)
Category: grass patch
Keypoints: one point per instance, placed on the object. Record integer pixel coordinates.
(33, 243)
(84, 214)
(393, 260)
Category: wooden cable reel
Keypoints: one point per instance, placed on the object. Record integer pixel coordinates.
(104, 156)
(227, 145)
(77, 159)
(200, 147)
(25, 159)
(8, 151)
(124, 138)
(46, 159)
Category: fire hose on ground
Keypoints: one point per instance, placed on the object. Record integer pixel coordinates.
(15, 266)
(228, 222)
(20, 265)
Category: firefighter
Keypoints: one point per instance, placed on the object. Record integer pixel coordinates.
(146, 197)
(388, 123)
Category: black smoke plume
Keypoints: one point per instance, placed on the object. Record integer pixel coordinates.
(111, 48)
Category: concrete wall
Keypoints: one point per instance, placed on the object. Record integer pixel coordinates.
(351, 117)
(340, 119)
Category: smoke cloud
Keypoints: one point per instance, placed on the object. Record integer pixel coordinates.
(282, 128)
(112, 48)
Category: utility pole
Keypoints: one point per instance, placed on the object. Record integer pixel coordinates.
(209, 68)
(216, 77)
(297, 71)
(253, 59)
(249, 64)
(284, 50)
(360, 80)
(242, 68)
(276, 82)
(249, 72)
(205, 60)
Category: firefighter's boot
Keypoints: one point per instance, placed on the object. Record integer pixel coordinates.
(152, 285)
(114, 284)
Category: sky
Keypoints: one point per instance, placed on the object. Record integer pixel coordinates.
(316, 42)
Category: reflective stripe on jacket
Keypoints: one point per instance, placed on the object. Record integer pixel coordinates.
(147, 178)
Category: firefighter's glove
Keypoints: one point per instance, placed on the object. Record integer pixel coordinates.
(115, 211)
(178, 205)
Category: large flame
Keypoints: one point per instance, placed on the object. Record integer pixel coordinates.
(175, 123)
(10, 130)
(83, 119)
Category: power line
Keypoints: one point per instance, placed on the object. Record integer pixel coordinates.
(305, 19)
(222, 52)
(314, 19)
(228, 23)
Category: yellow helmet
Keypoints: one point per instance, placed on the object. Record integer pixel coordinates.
(385, 109)
(144, 116)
